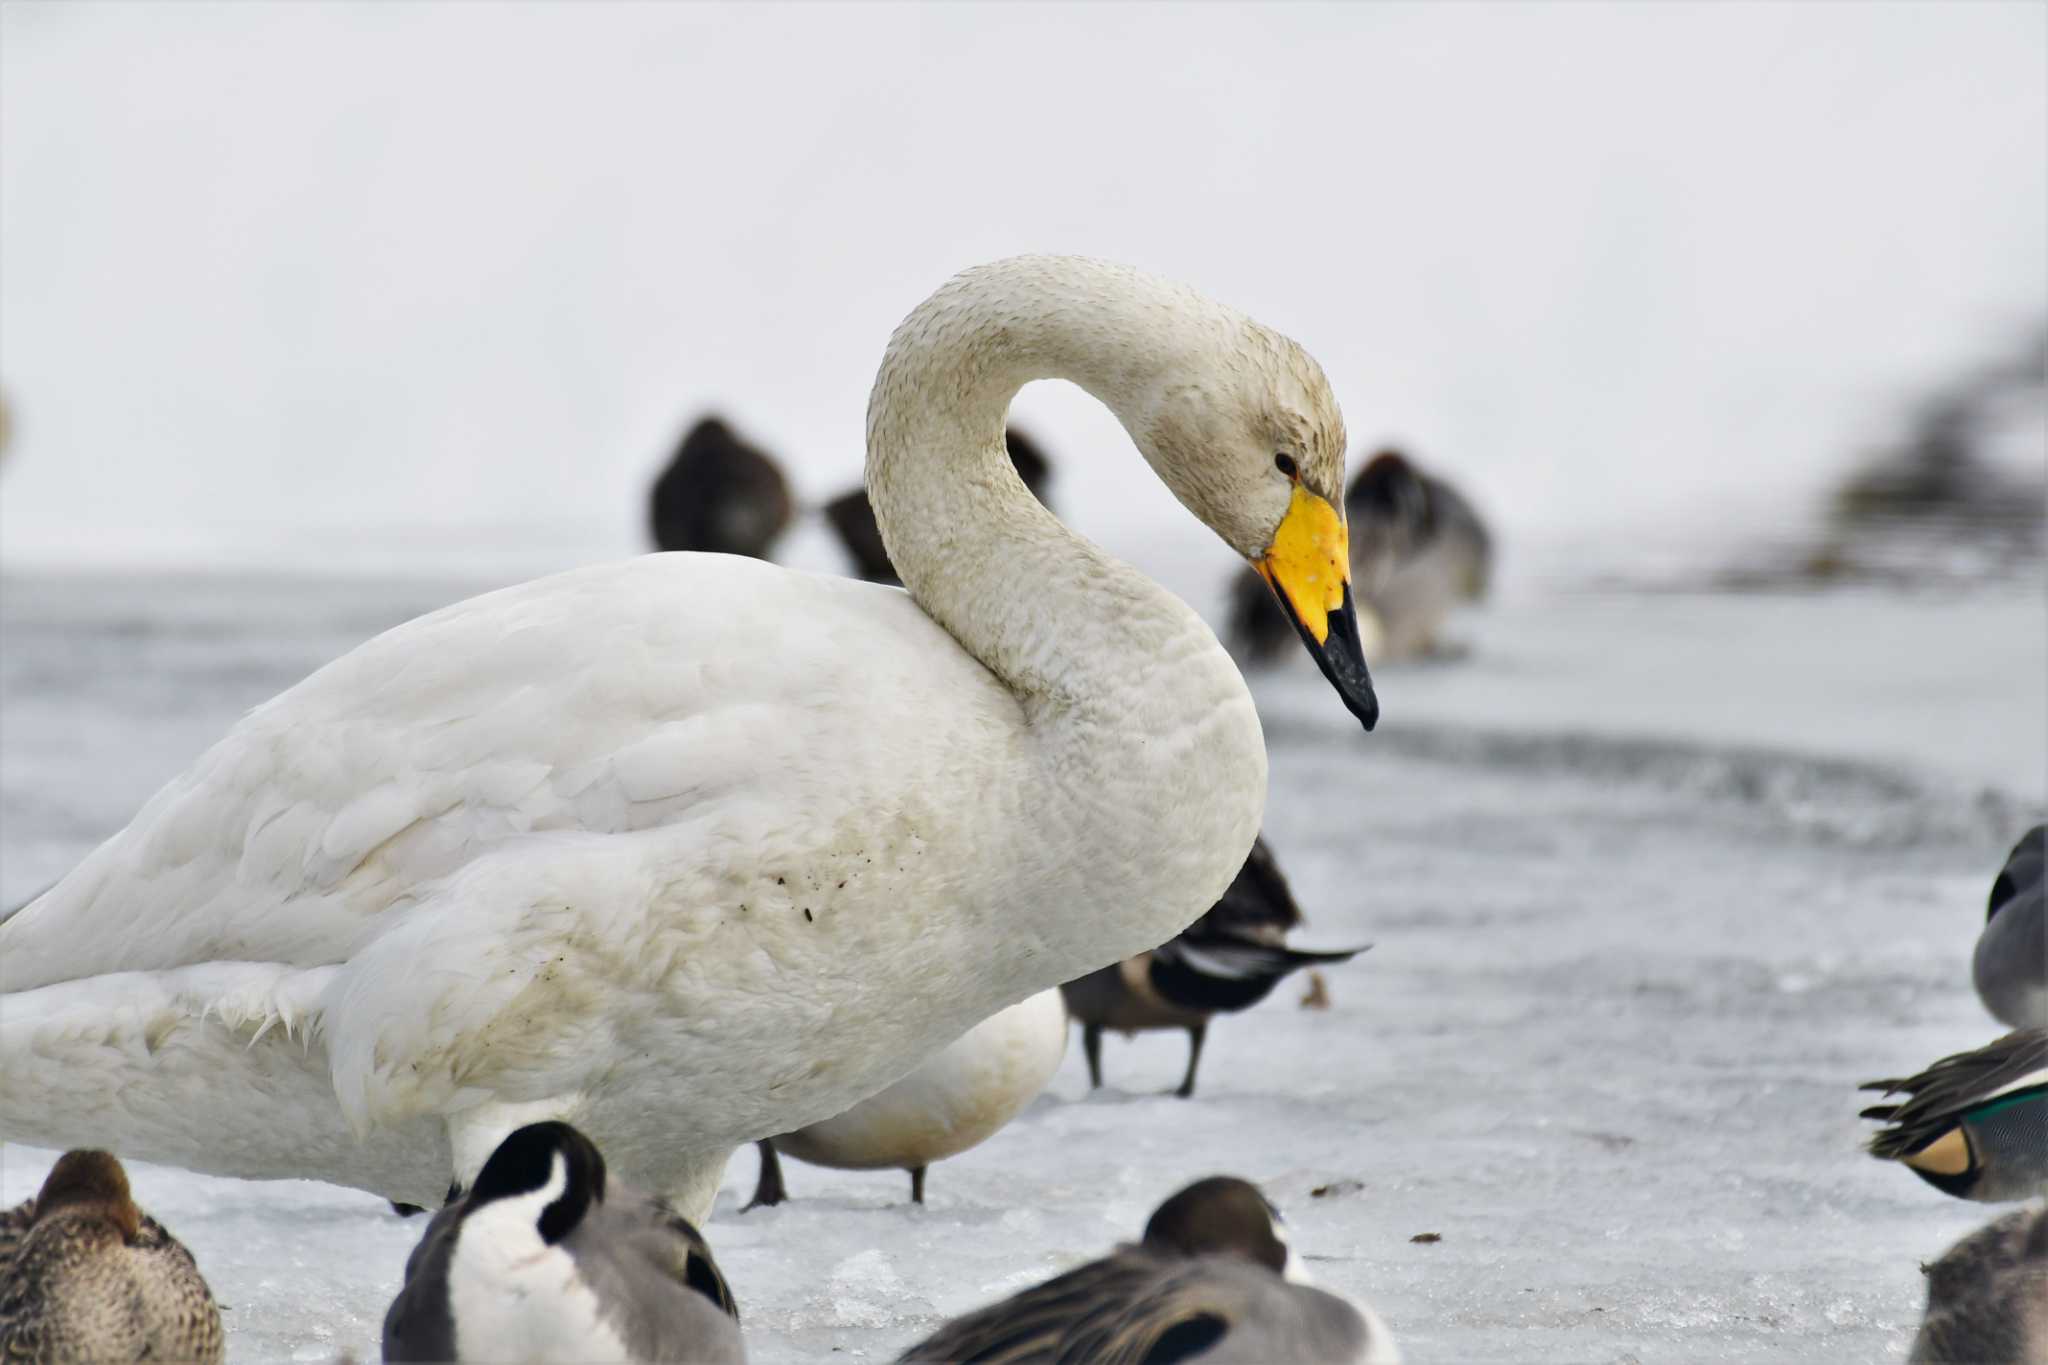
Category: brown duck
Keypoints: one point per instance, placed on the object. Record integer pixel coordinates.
(91, 1277)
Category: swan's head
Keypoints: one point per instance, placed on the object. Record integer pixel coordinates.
(1250, 439)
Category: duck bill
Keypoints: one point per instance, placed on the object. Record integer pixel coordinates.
(1309, 570)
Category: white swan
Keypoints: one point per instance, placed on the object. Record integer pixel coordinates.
(958, 1099)
(691, 850)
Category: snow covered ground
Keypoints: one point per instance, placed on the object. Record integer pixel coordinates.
(1654, 881)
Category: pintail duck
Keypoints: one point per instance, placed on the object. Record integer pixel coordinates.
(1226, 961)
(1213, 1280)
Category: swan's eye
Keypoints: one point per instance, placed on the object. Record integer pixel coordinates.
(1285, 464)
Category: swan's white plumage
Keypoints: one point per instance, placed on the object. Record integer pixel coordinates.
(687, 850)
(957, 1099)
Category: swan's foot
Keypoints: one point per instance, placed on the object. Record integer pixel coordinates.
(768, 1189)
(917, 1184)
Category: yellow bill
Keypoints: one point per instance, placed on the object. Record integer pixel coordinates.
(1309, 569)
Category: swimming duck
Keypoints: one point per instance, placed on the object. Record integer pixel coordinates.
(1212, 1280)
(2011, 964)
(1226, 961)
(692, 850)
(548, 1259)
(719, 494)
(1418, 549)
(1975, 1125)
(958, 1099)
(1987, 1297)
(86, 1275)
(853, 516)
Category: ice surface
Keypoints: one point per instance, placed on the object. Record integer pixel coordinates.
(1654, 882)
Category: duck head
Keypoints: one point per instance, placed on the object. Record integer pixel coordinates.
(90, 1180)
(1223, 1215)
(548, 1169)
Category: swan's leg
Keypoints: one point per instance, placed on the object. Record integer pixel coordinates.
(1196, 1034)
(1091, 1043)
(917, 1184)
(768, 1188)
(475, 1133)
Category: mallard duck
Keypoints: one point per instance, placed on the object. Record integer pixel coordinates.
(1226, 961)
(85, 1275)
(1212, 1280)
(719, 494)
(1976, 1124)
(692, 850)
(546, 1259)
(958, 1099)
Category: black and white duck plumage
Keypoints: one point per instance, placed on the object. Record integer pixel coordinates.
(1228, 960)
(545, 1259)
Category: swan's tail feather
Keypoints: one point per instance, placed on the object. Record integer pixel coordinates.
(217, 1068)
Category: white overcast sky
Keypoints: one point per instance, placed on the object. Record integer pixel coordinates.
(331, 284)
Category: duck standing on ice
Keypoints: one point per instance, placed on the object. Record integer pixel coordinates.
(691, 850)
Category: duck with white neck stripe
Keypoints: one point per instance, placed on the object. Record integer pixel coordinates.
(547, 1259)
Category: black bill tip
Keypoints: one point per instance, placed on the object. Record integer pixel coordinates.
(1341, 658)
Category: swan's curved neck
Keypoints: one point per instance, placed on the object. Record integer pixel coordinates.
(1137, 711)
(1052, 615)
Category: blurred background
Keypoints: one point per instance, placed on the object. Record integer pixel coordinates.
(373, 287)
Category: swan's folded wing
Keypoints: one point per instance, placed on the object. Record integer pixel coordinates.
(614, 699)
